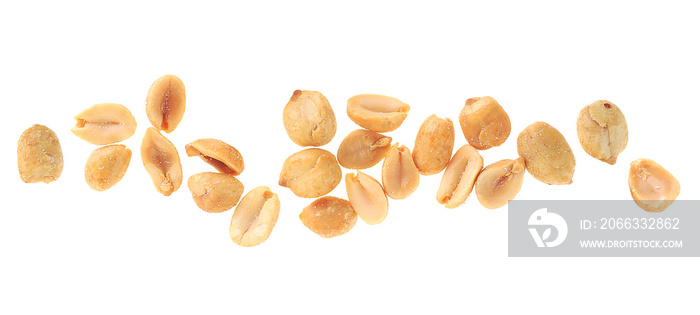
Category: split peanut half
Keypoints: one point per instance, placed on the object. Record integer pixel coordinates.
(434, 144)
(400, 176)
(105, 124)
(377, 112)
(39, 155)
(484, 123)
(367, 197)
(329, 216)
(652, 186)
(223, 157)
(215, 192)
(500, 182)
(162, 162)
(602, 131)
(363, 149)
(255, 217)
(547, 155)
(309, 119)
(310, 173)
(106, 166)
(165, 103)
(459, 177)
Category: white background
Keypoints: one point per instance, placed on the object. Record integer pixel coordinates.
(67, 249)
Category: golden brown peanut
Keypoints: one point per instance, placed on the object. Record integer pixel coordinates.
(377, 112)
(602, 131)
(310, 173)
(363, 149)
(434, 144)
(400, 176)
(39, 155)
(652, 186)
(162, 162)
(329, 216)
(367, 197)
(106, 166)
(500, 182)
(459, 177)
(309, 119)
(547, 155)
(223, 157)
(255, 217)
(165, 103)
(215, 192)
(104, 124)
(484, 122)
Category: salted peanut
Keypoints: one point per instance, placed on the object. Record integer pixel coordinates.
(363, 149)
(602, 131)
(434, 144)
(652, 186)
(547, 155)
(500, 182)
(367, 197)
(309, 119)
(459, 177)
(223, 157)
(255, 217)
(106, 166)
(310, 173)
(162, 162)
(215, 192)
(377, 112)
(105, 124)
(484, 122)
(165, 103)
(329, 216)
(39, 155)
(400, 176)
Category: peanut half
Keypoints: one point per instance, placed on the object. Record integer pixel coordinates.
(652, 186)
(484, 122)
(377, 112)
(106, 166)
(329, 216)
(39, 155)
(223, 157)
(547, 155)
(310, 173)
(500, 182)
(367, 197)
(162, 162)
(255, 217)
(459, 177)
(165, 103)
(434, 144)
(363, 149)
(309, 119)
(105, 124)
(400, 176)
(602, 131)
(215, 192)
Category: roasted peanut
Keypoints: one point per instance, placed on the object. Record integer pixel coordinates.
(400, 176)
(255, 217)
(223, 157)
(105, 124)
(162, 162)
(377, 112)
(165, 103)
(329, 216)
(367, 197)
(459, 177)
(215, 192)
(652, 186)
(310, 173)
(106, 166)
(309, 119)
(434, 144)
(602, 131)
(547, 155)
(484, 123)
(363, 149)
(500, 182)
(39, 155)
